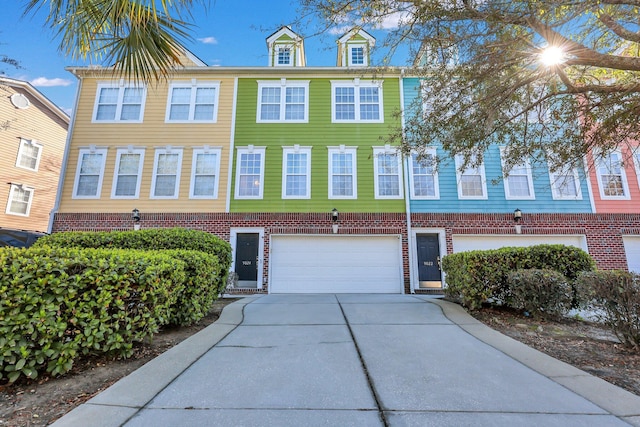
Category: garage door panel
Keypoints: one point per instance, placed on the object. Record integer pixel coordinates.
(336, 264)
(632, 251)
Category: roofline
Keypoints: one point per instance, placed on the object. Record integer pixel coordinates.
(36, 93)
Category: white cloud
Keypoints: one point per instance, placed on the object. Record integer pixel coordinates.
(46, 82)
(208, 40)
(338, 31)
(393, 20)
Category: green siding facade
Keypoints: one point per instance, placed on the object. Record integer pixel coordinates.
(319, 133)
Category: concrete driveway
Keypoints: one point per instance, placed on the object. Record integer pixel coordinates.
(355, 360)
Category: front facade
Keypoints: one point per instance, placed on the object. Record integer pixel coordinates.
(33, 134)
(289, 164)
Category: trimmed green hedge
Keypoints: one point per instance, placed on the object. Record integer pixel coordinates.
(476, 276)
(59, 303)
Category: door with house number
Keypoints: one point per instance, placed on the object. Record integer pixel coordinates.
(247, 259)
(429, 274)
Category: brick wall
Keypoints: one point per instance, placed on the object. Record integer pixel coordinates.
(603, 231)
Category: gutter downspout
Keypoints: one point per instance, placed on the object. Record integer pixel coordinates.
(407, 194)
(65, 157)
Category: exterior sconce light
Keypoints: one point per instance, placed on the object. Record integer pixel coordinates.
(135, 216)
(517, 216)
(334, 219)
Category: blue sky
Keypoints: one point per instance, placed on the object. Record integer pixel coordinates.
(230, 33)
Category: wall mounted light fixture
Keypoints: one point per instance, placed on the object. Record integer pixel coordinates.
(135, 216)
(517, 217)
(334, 220)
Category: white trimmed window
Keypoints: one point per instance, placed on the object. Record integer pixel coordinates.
(283, 56)
(166, 173)
(387, 178)
(193, 102)
(424, 177)
(20, 198)
(612, 179)
(357, 55)
(342, 173)
(356, 101)
(471, 180)
(283, 101)
(205, 171)
(296, 172)
(636, 160)
(89, 173)
(565, 184)
(128, 172)
(29, 154)
(250, 173)
(119, 103)
(518, 184)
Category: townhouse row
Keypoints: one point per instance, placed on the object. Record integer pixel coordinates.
(291, 165)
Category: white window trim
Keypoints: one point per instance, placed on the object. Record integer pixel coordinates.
(103, 152)
(218, 152)
(114, 185)
(283, 84)
(436, 184)
(23, 143)
(176, 189)
(276, 54)
(365, 59)
(636, 162)
(354, 152)
(121, 87)
(14, 187)
(356, 84)
(296, 150)
(623, 175)
(576, 179)
(507, 189)
(193, 86)
(459, 175)
(376, 184)
(250, 150)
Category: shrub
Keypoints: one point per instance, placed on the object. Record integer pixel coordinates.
(58, 303)
(540, 292)
(476, 276)
(616, 294)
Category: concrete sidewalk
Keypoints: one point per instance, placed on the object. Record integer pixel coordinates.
(354, 360)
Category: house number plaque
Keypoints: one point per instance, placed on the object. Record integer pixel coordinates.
(428, 263)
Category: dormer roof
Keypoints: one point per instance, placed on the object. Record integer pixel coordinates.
(286, 49)
(354, 48)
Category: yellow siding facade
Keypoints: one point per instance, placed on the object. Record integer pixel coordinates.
(152, 133)
(43, 124)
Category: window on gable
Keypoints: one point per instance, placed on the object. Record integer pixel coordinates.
(387, 168)
(205, 172)
(471, 180)
(342, 173)
(357, 55)
(283, 101)
(166, 173)
(519, 182)
(29, 154)
(424, 177)
(249, 173)
(565, 184)
(89, 173)
(193, 102)
(636, 159)
(20, 198)
(284, 56)
(611, 176)
(296, 173)
(119, 103)
(356, 101)
(128, 171)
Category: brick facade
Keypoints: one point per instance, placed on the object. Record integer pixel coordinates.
(603, 232)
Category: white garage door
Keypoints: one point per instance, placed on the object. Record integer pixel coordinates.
(463, 243)
(632, 250)
(335, 264)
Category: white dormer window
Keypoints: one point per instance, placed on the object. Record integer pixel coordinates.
(357, 55)
(284, 56)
